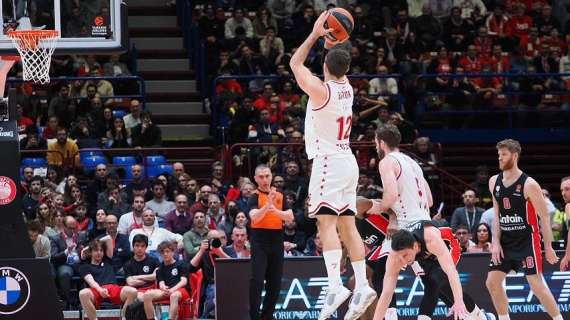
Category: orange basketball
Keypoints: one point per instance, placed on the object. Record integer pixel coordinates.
(342, 23)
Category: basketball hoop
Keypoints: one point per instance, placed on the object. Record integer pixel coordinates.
(35, 48)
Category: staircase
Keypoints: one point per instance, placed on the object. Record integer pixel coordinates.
(162, 61)
(546, 163)
(172, 96)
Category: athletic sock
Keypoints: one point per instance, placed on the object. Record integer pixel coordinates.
(423, 317)
(332, 262)
(558, 317)
(504, 317)
(359, 268)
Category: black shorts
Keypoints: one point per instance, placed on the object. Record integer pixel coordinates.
(527, 258)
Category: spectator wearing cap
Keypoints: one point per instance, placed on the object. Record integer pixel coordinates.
(146, 133)
(180, 219)
(238, 20)
(63, 148)
(134, 118)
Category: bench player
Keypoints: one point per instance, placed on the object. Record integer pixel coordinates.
(517, 202)
(334, 176)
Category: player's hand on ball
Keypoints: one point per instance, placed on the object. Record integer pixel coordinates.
(564, 263)
(319, 27)
(551, 256)
(496, 253)
(458, 310)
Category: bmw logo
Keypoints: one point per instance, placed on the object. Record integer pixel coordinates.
(14, 290)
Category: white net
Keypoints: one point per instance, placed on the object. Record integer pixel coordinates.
(36, 48)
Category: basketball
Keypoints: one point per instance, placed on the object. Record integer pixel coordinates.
(342, 23)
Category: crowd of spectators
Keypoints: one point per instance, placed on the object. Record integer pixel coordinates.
(397, 40)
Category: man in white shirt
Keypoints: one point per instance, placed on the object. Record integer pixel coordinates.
(134, 118)
(156, 235)
(133, 220)
(159, 204)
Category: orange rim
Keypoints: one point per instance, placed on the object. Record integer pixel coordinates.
(29, 38)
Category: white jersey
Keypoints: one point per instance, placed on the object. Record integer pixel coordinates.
(328, 126)
(412, 202)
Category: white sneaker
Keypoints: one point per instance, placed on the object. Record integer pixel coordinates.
(333, 300)
(362, 298)
(391, 314)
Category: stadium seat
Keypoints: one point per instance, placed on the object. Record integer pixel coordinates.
(154, 160)
(155, 171)
(124, 161)
(89, 163)
(34, 162)
(85, 154)
(119, 113)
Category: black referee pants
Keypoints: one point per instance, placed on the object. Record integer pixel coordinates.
(266, 265)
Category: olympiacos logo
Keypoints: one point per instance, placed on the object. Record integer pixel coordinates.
(8, 190)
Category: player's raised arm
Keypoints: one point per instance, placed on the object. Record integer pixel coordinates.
(534, 192)
(436, 246)
(309, 83)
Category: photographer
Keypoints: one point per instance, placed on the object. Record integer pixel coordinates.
(210, 250)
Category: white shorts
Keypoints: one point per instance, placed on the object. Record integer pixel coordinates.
(333, 184)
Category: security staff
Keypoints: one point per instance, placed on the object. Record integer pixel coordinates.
(267, 214)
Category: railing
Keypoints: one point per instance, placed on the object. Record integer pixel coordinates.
(217, 113)
(12, 81)
(507, 101)
(447, 190)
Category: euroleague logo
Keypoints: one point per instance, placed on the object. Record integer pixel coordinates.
(8, 190)
(99, 21)
(14, 290)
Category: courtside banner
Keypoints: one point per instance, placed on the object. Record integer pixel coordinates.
(304, 286)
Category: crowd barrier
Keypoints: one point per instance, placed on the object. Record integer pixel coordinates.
(304, 284)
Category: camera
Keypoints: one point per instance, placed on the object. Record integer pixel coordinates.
(215, 243)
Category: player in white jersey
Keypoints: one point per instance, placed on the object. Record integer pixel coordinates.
(334, 177)
(406, 193)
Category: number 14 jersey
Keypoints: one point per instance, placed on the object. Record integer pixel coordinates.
(328, 126)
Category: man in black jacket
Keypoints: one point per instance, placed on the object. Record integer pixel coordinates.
(146, 134)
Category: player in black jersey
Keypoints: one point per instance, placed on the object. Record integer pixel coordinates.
(422, 243)
(172, 278)
(517, 202)
(140, 270)
(373, 229)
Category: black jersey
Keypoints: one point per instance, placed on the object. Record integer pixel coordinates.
(417, 230)
(171, 274)
(372, 230)
(103, 273)
(145, 267)
(517, 217)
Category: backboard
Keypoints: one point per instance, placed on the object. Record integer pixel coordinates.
(85, 26)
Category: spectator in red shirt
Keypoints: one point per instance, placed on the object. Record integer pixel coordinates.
(497, 22)
(288, 96)
(471, 62)
(262, 102)
(499, 62)
(50, 132)
(531, 44)
(484, 43)
(23, 121)
(519, 24)
(276, 108)
(487, 87)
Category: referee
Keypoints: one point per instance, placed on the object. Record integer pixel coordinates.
(268, 211)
